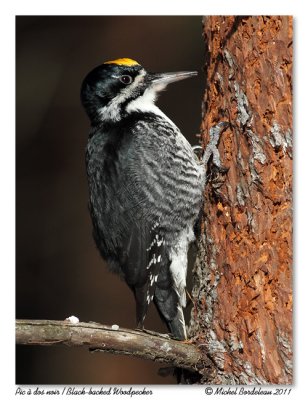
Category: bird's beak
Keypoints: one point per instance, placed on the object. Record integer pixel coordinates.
(163, 79)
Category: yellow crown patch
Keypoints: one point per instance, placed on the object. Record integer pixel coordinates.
(123, 61)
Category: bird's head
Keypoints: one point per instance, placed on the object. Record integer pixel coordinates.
(118, 87)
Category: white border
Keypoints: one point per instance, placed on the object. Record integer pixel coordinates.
(157, 7)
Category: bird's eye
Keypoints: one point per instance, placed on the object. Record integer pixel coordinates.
(126, 79)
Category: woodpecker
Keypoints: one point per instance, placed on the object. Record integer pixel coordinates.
(145, 186)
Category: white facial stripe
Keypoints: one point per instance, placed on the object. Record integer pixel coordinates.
(112, 110)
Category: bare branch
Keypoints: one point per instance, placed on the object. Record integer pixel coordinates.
(103, 338)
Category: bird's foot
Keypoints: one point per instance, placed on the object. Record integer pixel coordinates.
(197, 149)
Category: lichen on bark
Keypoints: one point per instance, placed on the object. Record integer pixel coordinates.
(242, 314)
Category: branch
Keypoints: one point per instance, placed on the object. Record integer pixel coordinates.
(103, 338)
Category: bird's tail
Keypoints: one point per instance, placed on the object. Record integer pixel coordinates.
(170, 309)
(168, 303)
(177, 325)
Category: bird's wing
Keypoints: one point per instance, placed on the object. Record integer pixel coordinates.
(145, 187)
(156, 200)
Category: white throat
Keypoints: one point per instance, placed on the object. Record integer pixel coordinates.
(146, 103)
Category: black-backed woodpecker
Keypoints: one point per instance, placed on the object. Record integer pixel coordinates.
(145, 186)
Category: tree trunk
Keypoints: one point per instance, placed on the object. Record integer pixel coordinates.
(242, 314)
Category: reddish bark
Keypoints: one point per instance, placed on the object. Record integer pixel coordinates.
(242, 315)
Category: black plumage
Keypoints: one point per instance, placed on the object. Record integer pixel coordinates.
(145, 188)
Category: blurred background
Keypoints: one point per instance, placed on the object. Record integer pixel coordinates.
(58, 270)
